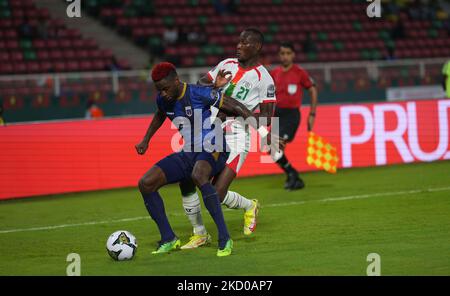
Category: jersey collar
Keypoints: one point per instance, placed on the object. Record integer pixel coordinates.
(183, 92)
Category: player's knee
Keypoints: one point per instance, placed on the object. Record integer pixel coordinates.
(147, 184)
(199, 178)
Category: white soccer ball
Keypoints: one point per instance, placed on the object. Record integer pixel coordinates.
(121, 245)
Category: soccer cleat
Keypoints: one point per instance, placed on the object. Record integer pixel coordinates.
(290, 180)
(197, 240)
(168, 246)
(250, 218)
(298, 184)
(227, 250)
(287, 184)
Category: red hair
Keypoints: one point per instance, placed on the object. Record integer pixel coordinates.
(161, 70)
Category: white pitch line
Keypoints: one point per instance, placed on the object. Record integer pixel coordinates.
(72, 225)
(330, 199)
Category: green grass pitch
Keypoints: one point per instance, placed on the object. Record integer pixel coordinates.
(400, 212)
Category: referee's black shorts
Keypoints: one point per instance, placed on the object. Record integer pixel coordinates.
(289, 119)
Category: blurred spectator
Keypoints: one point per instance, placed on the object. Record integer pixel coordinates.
(446, 78)
(2, 121)
(183, 34)
(226, 6)
(53, 32)
(220, 7)
(446, 26)
(398, 31)
(114, 65)
(170, 35)
(93, 111)
(25, 30)
(42, 29)
(390, 52)
(157, 50)
(308, 45)
(232, 6)
(197, 35)
(423, 10)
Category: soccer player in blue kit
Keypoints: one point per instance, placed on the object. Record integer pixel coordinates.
(177, 99)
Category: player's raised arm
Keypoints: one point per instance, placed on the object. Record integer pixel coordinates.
(157, 121)
(210, 78)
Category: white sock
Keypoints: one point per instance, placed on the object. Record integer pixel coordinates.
(234, 200)
(276, 155)
(192, 208)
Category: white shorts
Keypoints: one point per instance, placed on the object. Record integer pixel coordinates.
(238, 141)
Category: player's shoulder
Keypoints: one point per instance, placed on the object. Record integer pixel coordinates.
(265, 74)
(199, 91)
(229, 61)
(198, 88)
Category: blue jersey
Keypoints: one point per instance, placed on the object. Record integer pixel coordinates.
(191, 114)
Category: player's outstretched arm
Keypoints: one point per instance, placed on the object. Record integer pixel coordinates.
(157, 121)
(234, 107)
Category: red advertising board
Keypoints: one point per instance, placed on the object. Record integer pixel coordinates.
(82, 155)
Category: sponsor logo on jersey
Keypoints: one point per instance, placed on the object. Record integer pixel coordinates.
(271, 91)
(247, 85)
(188, 110)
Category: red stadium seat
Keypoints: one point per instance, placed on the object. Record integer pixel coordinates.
(33, 67)
(98, 65)
(65, 43)
(20, 68)
(59, 67)
(56, 54)
(16, 56)
(72, 66)
(86, 66)
(6, 68)
(43, 55)
(46, 66)
(4, 57)
(69, 54)
(51, 44)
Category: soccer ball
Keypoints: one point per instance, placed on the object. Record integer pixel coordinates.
(121, 245)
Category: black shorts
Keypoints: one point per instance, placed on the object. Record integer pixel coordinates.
(289, 119)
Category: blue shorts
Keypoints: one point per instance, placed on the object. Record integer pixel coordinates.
(178, 166)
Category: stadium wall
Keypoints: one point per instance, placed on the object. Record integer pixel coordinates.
(84, 155)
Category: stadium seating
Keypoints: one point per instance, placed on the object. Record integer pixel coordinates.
(32, 42)
(340, 30)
